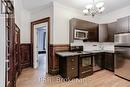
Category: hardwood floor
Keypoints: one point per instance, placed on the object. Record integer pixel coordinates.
(104, 78)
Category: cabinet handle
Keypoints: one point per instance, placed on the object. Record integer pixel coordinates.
(7, 61)
(72, 60)
(72, 68)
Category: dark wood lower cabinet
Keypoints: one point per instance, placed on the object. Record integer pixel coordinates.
(97, 62)
(25, 55)
(109, 61)
(68, 67)
(53, 59)
(85, 65)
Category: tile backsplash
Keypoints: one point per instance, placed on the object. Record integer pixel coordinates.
(89, 46)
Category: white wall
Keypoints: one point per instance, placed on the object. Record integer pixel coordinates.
(113, 16)
(18, 7)
(25, 27)
(62, 15)
(2, 51)
(22, 19)
(43, 12)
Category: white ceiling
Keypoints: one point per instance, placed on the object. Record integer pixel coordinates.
(110, 5)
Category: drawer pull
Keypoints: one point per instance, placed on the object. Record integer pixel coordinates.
(7, 61)
(72, 60)
(72, 68)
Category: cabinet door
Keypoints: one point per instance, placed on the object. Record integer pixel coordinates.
(109, 61)
(92, 29)
(103, 33)
(72, 67)
(97, 62)
(112, 29)
(93, 34)
(123, 25)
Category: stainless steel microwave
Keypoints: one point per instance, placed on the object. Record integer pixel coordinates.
(80, 34)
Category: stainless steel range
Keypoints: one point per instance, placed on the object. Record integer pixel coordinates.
(85, 61)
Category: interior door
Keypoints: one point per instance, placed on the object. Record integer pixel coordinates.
(35, 46)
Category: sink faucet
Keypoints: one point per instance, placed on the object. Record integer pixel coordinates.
(100, 46)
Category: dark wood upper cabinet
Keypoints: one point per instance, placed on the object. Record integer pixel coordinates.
(93, 34)
(92, 29)
(112, 30)
(103, 32)
(109, 61)
(123, 25)
(107, 32)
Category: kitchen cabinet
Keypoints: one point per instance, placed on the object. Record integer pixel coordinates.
(107, 32)
(92, 29)
(103, 32)
(68, 67)
(112, 30)
(109, 61)
(97, 61)
(123, 25)
(92, 35)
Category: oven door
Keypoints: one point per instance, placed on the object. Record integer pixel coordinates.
(85, 65)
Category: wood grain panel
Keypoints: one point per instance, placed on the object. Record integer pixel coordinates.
(53, 59)
(25, 55)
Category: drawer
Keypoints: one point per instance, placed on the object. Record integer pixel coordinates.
(72, 67)
(72, 72)
(86, 73)
(72, 61)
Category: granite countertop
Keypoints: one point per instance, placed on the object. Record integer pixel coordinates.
(65, 54)
(68, 53)
(101, 51)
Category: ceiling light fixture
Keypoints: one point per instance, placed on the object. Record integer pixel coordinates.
(94, 8)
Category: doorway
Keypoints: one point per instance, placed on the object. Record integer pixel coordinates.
(40, 39)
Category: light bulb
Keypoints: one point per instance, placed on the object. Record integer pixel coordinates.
(100, 4)
(85, 11)
(89, 6)
(102, 9)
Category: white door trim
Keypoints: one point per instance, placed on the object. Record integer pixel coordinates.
(35, 46)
